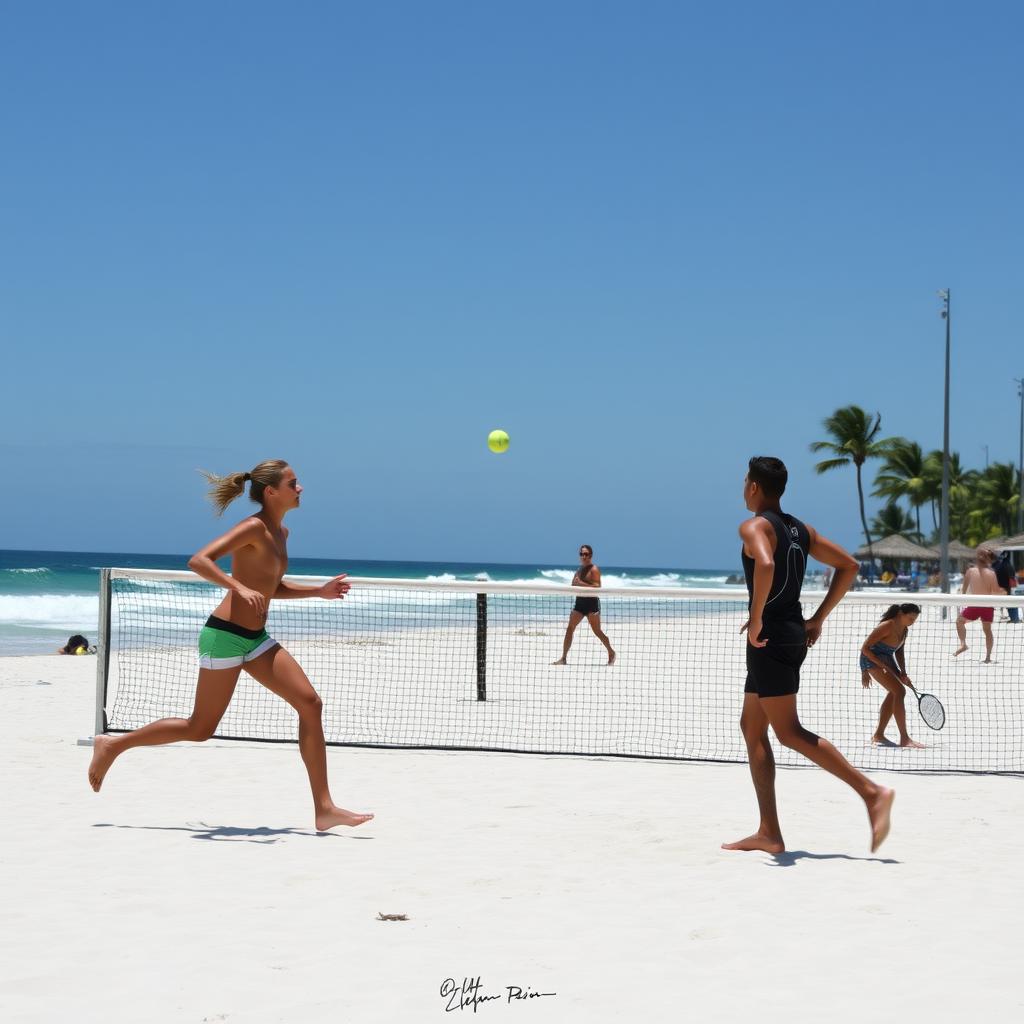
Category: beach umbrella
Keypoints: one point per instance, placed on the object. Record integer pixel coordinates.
(896, 547)
(958, 551)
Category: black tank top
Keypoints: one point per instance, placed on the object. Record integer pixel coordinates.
(783, 618)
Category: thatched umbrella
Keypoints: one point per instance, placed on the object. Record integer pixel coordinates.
(1014, 543)
(898, 548)
(958, 551)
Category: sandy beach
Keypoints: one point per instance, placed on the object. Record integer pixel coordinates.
(193, 888)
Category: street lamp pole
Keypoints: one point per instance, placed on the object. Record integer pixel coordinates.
(944, 525)
(1020, 459)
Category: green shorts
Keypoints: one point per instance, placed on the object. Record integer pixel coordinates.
(224, 644)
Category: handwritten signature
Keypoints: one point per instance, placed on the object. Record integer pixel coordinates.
(468, 994)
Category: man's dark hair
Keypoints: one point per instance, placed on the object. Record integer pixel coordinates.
(769, 473)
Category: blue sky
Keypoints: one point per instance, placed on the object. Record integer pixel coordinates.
(647, 239)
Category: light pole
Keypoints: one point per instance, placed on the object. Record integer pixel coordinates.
(985, 446)
(1020, 459)
(944, 525)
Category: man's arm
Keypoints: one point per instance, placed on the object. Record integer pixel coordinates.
(757, 535)
(846, 568)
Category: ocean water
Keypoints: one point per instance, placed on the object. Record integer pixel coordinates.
(45, 596)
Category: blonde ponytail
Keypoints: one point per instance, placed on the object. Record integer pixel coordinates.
(224, 489)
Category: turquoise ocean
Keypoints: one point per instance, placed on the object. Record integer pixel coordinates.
(45, 596)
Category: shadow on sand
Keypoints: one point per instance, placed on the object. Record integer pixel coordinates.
(789, 858)
(232, 833)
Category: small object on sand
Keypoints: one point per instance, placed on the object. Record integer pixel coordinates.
(391, 917)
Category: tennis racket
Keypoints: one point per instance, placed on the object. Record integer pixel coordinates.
(933, 714)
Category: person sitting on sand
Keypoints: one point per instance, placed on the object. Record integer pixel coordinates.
(235, 636)
(979, 579)
(589, 608)
(882, 659)
(76, 644)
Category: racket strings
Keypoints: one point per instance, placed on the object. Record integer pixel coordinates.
(932, 711)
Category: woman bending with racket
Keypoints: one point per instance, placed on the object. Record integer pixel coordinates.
(235, 636)
(882, 658)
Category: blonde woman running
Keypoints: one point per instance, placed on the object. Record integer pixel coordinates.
(235, 636)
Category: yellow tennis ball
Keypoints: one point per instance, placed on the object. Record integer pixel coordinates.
(497, 441)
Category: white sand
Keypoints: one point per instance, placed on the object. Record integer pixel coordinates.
(192, 888)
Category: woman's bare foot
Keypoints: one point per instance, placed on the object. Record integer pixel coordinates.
(880, 813)
(339, 816)
(757, 841)
(881, 741)
(611, 657)
(960, 650)
(908, 742)
(561, 661)
(102, 759)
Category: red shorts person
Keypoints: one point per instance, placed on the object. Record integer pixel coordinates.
(978, 614)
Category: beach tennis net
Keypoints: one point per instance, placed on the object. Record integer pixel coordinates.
(467, 665)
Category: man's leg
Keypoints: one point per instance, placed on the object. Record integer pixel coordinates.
(754, 724)
(961, 632)
(781, 712)
(986, 628)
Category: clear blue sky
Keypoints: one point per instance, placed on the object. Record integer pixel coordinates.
(647, 239)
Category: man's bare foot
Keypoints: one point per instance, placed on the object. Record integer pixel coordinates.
(879, 813)
(960, 650)
(881, 741)
(757, 842)
(561, 661)
(102, 759)
(908, 742)
(988, 661)
(611, 657)
(339, 816)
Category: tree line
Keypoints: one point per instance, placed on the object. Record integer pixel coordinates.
(983, 503)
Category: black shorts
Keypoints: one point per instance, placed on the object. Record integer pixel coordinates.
(774, 670)
(587, 605)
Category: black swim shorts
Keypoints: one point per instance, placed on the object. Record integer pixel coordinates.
(774, 670)
(587, 605)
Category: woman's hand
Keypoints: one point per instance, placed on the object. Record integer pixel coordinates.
(253, 600)
(336, 588)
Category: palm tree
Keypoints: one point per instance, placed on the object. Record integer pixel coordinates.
(902, 476)
(892, 519)
(997, 494)
(854, 440)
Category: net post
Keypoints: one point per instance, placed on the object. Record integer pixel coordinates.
(103, 655)
(481, 647)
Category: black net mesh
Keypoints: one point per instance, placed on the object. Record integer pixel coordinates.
(397, 666)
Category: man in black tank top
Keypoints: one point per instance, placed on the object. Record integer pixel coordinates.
(775, 551)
